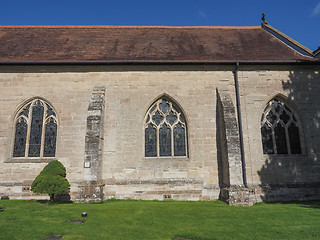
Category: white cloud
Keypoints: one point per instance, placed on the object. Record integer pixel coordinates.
(316, 10)
(202, 14)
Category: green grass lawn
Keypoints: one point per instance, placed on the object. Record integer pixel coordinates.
(115, 219)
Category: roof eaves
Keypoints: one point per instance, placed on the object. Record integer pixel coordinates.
(146, 62)
(125, 27)
(316, 53)
(288, 40)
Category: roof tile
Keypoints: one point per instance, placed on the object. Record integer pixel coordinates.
(132, 43)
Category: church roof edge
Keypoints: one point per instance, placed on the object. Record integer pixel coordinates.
(281, 36)
(128, 27)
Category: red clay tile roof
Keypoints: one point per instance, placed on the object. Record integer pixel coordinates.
(124, 43)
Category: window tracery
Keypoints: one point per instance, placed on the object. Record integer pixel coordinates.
(280, 129)
(165, 130)
(35, 130)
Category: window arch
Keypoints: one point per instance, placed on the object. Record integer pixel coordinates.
(35, 130)
(165, 130)
(281, 130)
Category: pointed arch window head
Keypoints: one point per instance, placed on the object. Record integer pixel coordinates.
(281, 130)
(165, 130)
(35, 130)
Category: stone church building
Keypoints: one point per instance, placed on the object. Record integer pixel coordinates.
(183, 113)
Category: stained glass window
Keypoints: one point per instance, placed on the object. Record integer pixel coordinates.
(179, 140)
(294, 138)
(151, 141)
(20, 138)
(165, 140)
(165, 130)
(35, 130)
(267, 142)
(280, 130)
(50, 138)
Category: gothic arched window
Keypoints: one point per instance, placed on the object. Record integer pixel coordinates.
(165, 130)
(35, 130)
(281, 130)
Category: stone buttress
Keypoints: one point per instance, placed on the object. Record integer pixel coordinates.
(91, 189)
(232, 187)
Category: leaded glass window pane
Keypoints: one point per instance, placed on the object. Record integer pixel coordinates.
(165, 140)
(267, 143)
(281, 142)
(153, 108)
(168, 121)
(36, 130)
(171, 118)
(271, 117)
(276, 105)
(179, 141)
(157, 118)
(50, 111)
(25, 111)
(20, 138)
(50, 139)
(280, 130)
(285, 117)
(150, 141)
(164, 106)
(294, 139)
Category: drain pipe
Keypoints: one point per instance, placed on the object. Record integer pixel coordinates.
(236, 84)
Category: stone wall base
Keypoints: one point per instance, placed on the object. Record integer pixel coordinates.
(160, 189)
(93, 191)
(270, 193)
(90, 191)
(287, 192)
(236, 195)
(21, 190)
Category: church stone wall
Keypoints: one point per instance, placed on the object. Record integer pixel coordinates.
(281, 177)
(129, 92)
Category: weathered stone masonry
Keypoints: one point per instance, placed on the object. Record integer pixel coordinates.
(232, 185)
(91, 189)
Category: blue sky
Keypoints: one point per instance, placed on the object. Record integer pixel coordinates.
(299, 19)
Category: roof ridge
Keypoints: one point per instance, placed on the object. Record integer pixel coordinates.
(120, 26)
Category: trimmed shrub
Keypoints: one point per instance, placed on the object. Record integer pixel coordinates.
(51, 180)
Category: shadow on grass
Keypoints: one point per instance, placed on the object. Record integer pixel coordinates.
(48, 202)
(54, 237)
(77, 221)
(305, 204)
(188, 238)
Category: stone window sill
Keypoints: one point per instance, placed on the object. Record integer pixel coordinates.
(30, 160)
(182, 158)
